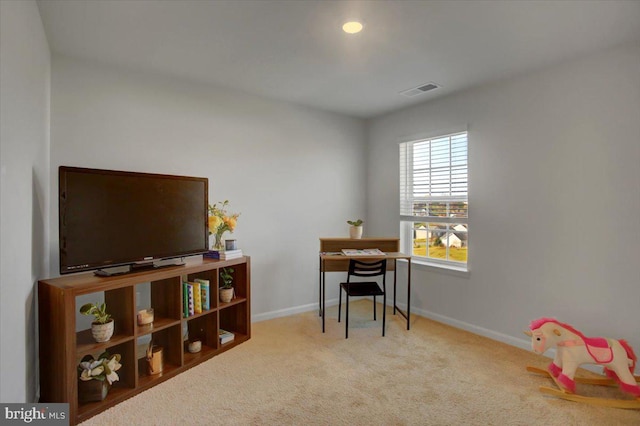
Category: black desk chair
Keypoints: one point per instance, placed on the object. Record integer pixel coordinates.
(358, 268)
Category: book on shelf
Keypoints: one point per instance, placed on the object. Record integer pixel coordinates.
(230, 256)
(197, 297)
(190, 302)
(363, 252)
(223, 254)
(212, 254)
(225, 336)
(185, 300)
(204, 293)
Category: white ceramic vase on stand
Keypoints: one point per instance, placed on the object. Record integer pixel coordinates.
(355, 232)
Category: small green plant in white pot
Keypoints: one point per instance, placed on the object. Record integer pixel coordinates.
(226, 285)
(102, 326)
(355, 230)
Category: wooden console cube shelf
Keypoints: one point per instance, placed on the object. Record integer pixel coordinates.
(62, 347)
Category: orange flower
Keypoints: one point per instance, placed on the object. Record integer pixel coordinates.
(214, 223)
(230, 222)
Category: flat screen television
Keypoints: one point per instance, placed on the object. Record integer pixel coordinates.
(113, 218)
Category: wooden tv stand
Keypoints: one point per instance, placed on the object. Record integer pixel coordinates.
(62, 347)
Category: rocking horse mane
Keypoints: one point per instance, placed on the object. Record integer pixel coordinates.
(536, 324)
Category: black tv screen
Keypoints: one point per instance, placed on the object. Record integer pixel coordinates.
(111, 218)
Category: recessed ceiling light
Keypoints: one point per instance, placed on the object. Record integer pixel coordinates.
(352, 27)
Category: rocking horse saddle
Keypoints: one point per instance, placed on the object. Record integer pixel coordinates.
(598, 347)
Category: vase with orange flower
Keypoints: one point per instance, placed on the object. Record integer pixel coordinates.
(221, 221)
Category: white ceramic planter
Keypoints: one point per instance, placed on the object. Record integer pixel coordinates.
(102, 332)
(226, 295)
(355, 232)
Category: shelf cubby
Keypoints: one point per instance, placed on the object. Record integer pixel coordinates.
(126, 382)
(169, 339)
(164, 294)
(120, 303)
(203, 328)
(212, 277)
(234, 319)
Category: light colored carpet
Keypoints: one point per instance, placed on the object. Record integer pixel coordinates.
(290, 373)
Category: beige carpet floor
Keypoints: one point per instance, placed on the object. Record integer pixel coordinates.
(290, 373)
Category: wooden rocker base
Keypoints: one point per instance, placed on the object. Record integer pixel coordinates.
(599, 381)
(629, 404)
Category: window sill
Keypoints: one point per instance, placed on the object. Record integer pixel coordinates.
(460, 271)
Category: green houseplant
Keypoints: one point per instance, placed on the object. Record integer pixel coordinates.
(226, 285)
(355, 230)
(102, 326)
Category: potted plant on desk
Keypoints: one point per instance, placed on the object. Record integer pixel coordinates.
(226, 285)
(355, 230)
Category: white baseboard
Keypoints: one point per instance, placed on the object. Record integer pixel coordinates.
(491, 334)
(481, 331)
(291, 311)
(520, 343)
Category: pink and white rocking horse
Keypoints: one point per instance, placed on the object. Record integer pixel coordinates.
(574, 349)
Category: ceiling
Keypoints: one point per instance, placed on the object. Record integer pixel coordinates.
(296, 51)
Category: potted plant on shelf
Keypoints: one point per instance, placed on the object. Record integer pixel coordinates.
(226, 285)
(355, 230)
(102, 326)
(95, 376)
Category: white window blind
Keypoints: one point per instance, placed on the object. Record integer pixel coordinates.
(434, 196)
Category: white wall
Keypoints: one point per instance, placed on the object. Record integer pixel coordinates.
(294, 173)
(25, 69)
(554, 164)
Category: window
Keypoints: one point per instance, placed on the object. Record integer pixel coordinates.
(434, 200)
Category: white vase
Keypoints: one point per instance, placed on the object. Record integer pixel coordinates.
(102, 332)
(355, 232)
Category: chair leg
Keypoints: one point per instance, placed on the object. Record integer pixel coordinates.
(384, 311)
(339, 303)
(346, 323)
(374, 308)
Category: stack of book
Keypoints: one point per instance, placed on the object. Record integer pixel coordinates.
(223, 254)
(225, 336)
(230, 254)
(196, 297)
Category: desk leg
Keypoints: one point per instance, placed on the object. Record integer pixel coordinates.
(323, 294)
(395, 269)
(319, 286)
(407, 314)
(409, 294)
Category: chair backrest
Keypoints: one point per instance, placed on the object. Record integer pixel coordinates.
(358, 268)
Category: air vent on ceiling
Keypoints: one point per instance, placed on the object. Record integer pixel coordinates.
(420, 89)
